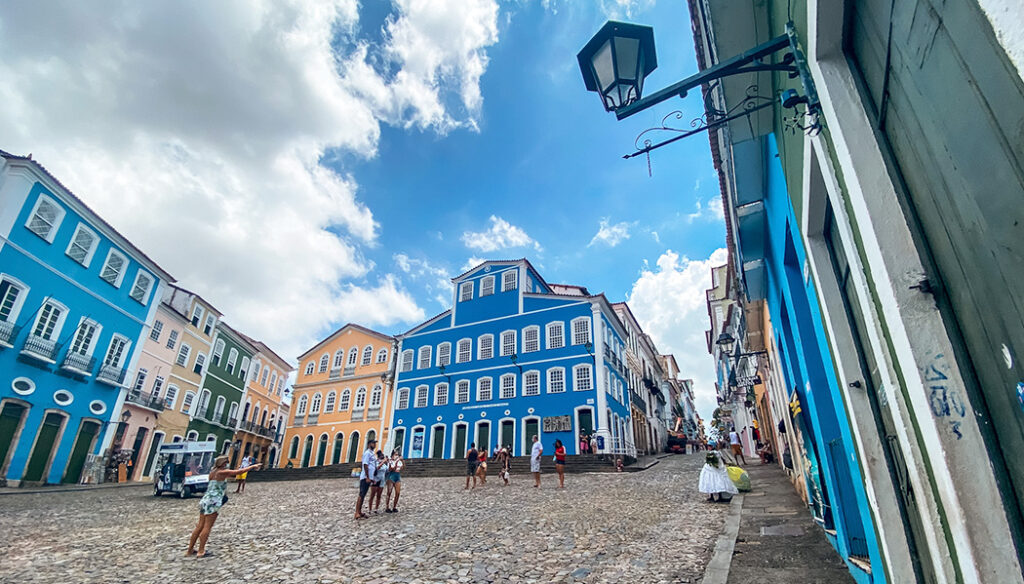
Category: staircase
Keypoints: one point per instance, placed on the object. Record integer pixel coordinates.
(435, 467)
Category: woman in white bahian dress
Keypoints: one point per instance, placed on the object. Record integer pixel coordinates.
(714, 478)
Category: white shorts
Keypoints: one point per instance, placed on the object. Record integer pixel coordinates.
(534, 465)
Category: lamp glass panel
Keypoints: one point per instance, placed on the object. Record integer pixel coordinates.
(627, 51)
(604, 67)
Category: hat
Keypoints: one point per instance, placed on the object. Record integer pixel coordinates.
(220, 461)
(371, 441)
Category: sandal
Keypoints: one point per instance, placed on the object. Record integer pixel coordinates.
(205, 555)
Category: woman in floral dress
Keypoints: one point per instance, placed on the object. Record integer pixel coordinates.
(211, 503)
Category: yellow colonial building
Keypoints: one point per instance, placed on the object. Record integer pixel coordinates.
(261, 424)
(341, 398)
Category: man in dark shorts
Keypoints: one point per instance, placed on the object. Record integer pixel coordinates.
(472, 462)
(366, 476)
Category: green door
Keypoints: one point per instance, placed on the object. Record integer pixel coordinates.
(508, 435)
(532, 429)
(437, 443)
(45, 440)
(321, 453)
(307, 451)
(353, 447)
(158, 437)
(460, 441)
(399, 440)
(10, 419)
(83, 444)
(585, 422)
(339, 442)
(483, 437)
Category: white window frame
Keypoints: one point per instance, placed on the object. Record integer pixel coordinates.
(551, 326)
(515, 341)
(58, 324)
(144, 297)
(575, 377)
(264, 375)
(330, 402)
(325, 360)
(408, 360)
(125, 350)
(465, 291)
(572, 329)
(90, 349)
(243, 369)
(218, 351)
(170, 396)
(480, 346)
(50, 235)
(211, 323)
(360, 400)
(441, 391)
(187, 401)
(550, 383)
(479, 389)
(345, 400)
(486, 286)
(172, 339)
(311, 368)
(444, 354)
(367, 355)
(536, 330)
(182, 360)
(509, 283)
(461, 396)
(382, 356)
(376, 395)
(120, 275)
(314, 406)
(468, 343)
(526, 383)
(303, 403)
(232, 360)
(353, 357)
(197, 315)
(422, 393)
(402, 403)
(19, 301)
(507, 386)
(199, 363)
(155, 330)
(423, 357)
(89, 252)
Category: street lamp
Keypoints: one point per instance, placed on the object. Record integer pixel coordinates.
(515, 361)
(725, 342)
(616, 61)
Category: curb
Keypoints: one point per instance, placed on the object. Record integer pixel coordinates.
(717, 571)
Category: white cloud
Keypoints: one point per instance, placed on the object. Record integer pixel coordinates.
(611, 235)
(435, 279)
(709, 211)
(500, 235)
(669, 302)
(203, 144)
(472, 262)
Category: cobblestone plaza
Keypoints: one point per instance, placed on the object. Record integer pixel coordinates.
(650, 526)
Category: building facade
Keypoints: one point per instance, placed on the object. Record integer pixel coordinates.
(514, 358)
(214, 417)
(260, 428)
(341, 398)
(75, 298)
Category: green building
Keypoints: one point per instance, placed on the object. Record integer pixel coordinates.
(222, 388)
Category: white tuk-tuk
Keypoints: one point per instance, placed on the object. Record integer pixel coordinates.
(184, 468)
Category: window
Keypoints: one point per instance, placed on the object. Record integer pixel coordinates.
(444, 354)
(140, 380)
(197, 315)
(556, 335)
(255, 371)
(83, 244)
(244, 369)
(232, 360)
(200, 361)
(346, 397)
(273, 380)
(50, 317)
(191, 436)
(154, 333)
(9, 295)
(465, 291)
(508, 343)
(84, 337)
(115, 352)
(353, 354)
(218, 351)
(315, 408)
(323, 363)
(421, 396)
(556, 380)
(581, 331)
(183, 355)
(407, 360)
(487, 286)
(141, 287)
(367, 355)
(360, 402)
(172, 392)
(218, 410)
(300, 410)
(508, 386)
(339, 358)
(465, 352)
(172, 338)
(462, 392)
(483, 389)
(277, 389)
(263, 378)
(581, 378)
(332, 397)
(158, 384)
(210, 321)
(441, 394)
(508, 280)
(310, 368)
(382, 356)
(424, 357)
(403, 398)
(607, 382)
(45, 218)
(186, 403)
(531, 383)
(531, 339)
(485, 347)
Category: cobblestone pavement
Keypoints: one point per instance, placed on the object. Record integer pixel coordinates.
(642, 527)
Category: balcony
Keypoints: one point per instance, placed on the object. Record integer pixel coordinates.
(357, 415)
(145, 400)
(266, 432)
(335, 373)
(350, 371)
(112, 375)
(8, 332)
(41, 349)
(78, 363)
(638, 401)
(232, 422)
(372, 414)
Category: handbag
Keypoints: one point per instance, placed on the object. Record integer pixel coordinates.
(224, 500)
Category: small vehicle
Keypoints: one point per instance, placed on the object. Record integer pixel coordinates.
(184, 468)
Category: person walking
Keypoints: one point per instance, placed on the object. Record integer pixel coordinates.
(737, 446)
(366, 476)
(535, 454)
(240, 479)
(481, 466)
(394, 480)
(505, 457)
(560, 463)
(472, 459)
(210, 504)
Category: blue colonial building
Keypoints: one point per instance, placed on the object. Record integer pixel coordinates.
(75, 296)
(514, 357)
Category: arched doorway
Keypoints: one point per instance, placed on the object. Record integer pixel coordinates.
(584, 425)
(483, 436)
(370, 435)
(11, 417)
(459, 450)
(84, 443)
(437, 442)
(272, 458)
(508, 435)
(339, 440)
(398, 440)
(321, 452)
(307, 451)
(353, 447)
(42, 452)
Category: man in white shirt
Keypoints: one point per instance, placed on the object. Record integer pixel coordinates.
(737, 446)
(535, 454)
(366, 475)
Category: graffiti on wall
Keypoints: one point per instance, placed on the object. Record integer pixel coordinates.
(945, 400)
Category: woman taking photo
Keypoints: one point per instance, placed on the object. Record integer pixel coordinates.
(395, 466)
(560, 463)
(211, 503)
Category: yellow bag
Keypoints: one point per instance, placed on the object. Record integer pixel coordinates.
(739, 477)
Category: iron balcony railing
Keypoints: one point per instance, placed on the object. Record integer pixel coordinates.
(8, 332)
(357, 415)
(640, 402)
(146, 400)
(112, 375)
(373, 414)
(41, 348)
(266, 432)
(78, 363)
(350, 370)
(335, 373)
(233, 422)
